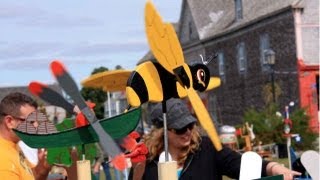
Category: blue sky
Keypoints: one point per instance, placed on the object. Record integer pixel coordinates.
(83, 34)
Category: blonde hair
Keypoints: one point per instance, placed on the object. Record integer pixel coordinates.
(154, 142)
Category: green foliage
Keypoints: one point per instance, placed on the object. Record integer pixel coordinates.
(118, 67)
(300, 121)
(267, 92)
(98, 96)
(268, 127)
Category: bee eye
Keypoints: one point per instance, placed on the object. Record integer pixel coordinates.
(201, 75)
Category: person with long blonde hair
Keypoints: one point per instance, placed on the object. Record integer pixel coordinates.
(195, 154)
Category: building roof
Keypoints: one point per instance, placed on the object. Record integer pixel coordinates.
(24, 89)
(213, 18)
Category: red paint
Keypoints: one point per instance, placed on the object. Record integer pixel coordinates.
(137, 151)
(308, 92)
(238, 132)
(81, 120)
(57, 68)
(36, 88)
(119, 162)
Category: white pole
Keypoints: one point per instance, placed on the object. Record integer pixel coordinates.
(288, 149)
(117, 107)
(288, 137)
(109, 104)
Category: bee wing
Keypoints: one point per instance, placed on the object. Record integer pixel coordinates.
(163, 40)
(204, 117)
(165, 46)
(109, 81)
(213, 83)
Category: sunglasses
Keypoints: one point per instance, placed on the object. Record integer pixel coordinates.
(183, 130)
(14, 117)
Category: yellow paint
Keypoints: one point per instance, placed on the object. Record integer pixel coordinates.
(108, 81)
(213, 83)
(204, 118)
(162, 39)
(152, 80)
(181, 90)
(132, 97)
(166, 47)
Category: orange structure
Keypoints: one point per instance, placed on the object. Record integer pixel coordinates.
(309, 92)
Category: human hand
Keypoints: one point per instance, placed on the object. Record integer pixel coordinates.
(274, 168)
(42, 169)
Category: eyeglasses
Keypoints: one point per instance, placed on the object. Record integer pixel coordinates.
(14, 117)
(183, 130)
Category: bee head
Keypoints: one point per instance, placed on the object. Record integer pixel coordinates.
(200, 76)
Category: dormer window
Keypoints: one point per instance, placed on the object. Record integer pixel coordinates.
(238, 9)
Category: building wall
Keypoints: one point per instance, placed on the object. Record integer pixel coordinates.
(240, 91)
(188, 31)
(307, 32)
(310, 32)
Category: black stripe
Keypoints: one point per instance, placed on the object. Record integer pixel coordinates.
(137, 83)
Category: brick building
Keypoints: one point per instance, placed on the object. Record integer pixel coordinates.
(242, 33)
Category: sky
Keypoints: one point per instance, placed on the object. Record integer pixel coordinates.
(83, 34)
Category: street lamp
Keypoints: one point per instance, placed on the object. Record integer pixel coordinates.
(271, 60)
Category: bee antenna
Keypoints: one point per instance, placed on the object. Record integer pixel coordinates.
(202, 59)
(209, 59)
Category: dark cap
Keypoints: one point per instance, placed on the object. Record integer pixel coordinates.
(178, 115)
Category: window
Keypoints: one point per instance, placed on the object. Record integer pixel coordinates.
(242, 60)
(238, 9)
(264, 46)
(221, 63)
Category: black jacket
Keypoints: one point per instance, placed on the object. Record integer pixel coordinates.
(206, 163)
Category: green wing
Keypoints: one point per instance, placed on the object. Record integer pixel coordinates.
(117, 126)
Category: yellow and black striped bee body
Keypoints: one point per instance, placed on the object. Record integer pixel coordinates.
(151, 82)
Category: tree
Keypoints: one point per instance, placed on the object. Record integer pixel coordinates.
(98, 96)
(268, 127)
(118, 67)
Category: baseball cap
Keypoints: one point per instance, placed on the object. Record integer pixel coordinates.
(178, 115)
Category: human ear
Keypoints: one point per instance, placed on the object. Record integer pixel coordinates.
(9, 122)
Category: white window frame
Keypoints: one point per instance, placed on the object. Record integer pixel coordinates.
(241, 57)
(221, 64)
(264, 46)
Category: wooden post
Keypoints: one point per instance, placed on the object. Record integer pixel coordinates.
(167, 170)
(84, 170)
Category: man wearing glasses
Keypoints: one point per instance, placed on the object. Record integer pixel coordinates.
(14, 109)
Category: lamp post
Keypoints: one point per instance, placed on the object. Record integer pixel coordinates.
(271, 60)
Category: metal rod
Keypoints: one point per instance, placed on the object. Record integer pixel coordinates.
(273, 87)
(165, 131)
(288, 149)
